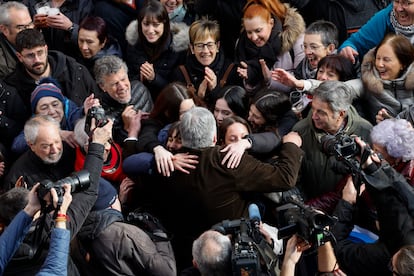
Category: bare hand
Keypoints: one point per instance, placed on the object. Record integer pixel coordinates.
(292, 137)
(202, 89)
(20, 183)
(2, 168)
(102, 135)
(33, 204)
(89, 102)
(128, 115)
(211, 78)
(265, 71)
(147, 71)
(349, 193)
(67, 199)
(163, 159)
(59, 21)
(242, 70)
(382, 115)
(234, 153)
(286, 78)
(125, 187)
(349, 53)
(184, 161)
(69, 138)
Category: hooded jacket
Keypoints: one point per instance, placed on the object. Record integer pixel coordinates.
(393, 95)
(74, 78)
(173, 55)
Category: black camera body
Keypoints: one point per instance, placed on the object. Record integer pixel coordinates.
(304, 221)
(78, 181)
(98, 113)
(342, 146)
(248, 244)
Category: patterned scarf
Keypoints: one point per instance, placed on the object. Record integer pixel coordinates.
(407, 31)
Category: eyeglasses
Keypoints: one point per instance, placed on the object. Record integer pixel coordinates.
(403, 3)
(312, 47)
(22, 27)
(210, 46)
(31, 56)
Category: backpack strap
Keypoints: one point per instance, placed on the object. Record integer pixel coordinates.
(223, 80)
(190, 85)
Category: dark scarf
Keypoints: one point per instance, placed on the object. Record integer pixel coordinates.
(197, 71)
(250, 53)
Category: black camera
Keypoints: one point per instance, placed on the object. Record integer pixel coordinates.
(78, 181)
(98, 113)
(305, 221)
(341, 145)
(251, 254)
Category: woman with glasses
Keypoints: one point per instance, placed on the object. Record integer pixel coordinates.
(397, 18)
(206, 69)
(155, 47)
(272, 37)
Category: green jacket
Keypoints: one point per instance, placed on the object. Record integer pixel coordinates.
(317, 173)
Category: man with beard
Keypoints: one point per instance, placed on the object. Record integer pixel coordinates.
(48, 157)
(37, 62)
(14, 17)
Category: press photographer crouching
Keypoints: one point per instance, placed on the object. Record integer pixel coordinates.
(42, 163)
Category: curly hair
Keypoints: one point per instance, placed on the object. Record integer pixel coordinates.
(396, 136)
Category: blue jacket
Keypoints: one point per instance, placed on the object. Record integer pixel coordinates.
(56, 262)
(12, 237)
(371, 34)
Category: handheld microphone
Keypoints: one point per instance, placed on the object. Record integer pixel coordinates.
(254, 214)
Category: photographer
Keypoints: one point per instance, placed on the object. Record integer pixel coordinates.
(393, 198)
(10, 240)
(41, 163)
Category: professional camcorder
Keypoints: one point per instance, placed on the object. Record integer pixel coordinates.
(98, 113)
(78, 181)
(251, 254)
(305, 221)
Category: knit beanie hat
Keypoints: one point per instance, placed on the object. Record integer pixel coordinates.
(46, 89)
(107, 195)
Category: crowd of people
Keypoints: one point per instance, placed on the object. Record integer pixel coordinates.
(129, 129)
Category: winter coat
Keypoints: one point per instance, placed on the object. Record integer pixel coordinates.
(196, 73)
(13, 114)
(24, 261)
(393, 95)
(173, 55)
(74, 79)
(8, 58)
(371, 34)
(63, 40)
(116, 247)
(320, 172)
(140, 99)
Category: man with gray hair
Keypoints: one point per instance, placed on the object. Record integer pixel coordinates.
(14, 17)
(123, 100)
(212, 254)
(212, 192)
(331, 114)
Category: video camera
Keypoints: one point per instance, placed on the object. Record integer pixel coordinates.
(251, 254)
(78, 181)
(98, 113)
(305, 221)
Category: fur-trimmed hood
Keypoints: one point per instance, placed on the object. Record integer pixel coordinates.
(293, 27)
(179, 31)
(372, 81)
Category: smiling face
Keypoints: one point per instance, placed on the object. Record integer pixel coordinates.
(152, 29)
(117, 85)
(404, 11)
(314, 49)
(48, 144)
(387, 63)
(88, 43)
(258, 30)
(171, 5)
(324, 73)
(205, 51)
(50, 106)
(324, 118)
(255, 118)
